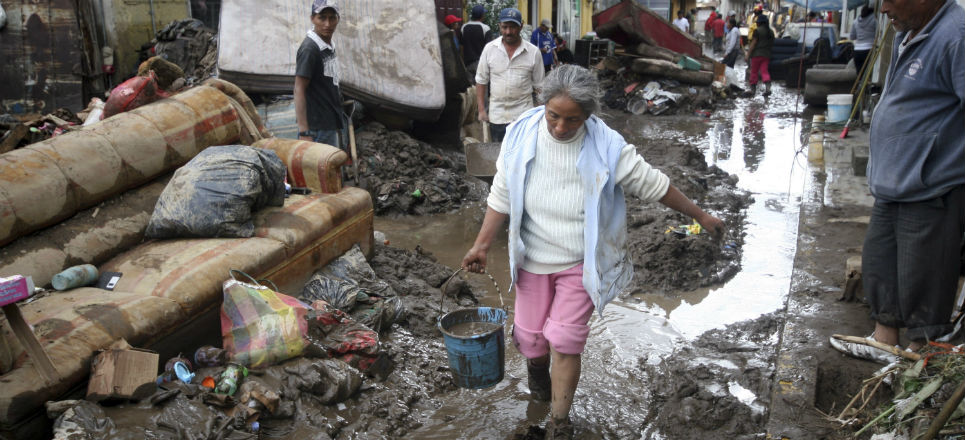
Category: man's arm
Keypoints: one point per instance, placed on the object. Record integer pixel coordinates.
(301, 107)
(481, 101)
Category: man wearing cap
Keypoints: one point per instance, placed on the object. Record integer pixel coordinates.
(474, 38)
(452, 22)
(318, 100)
(544, 40)
(510, 69)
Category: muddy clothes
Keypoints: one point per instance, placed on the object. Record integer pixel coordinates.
(323, 99)
(511, 81)
(763, 42)
(473, 41)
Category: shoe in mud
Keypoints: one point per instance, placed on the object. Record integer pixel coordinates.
(862, 351)
(559, 429)
(540, 387)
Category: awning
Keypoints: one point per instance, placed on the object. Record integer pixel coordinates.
(827, 5)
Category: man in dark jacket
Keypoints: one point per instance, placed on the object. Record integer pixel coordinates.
(916, 173)
(474, 38)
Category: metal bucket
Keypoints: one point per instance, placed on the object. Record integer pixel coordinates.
(475, 342)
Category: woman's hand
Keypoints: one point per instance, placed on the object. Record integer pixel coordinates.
(713, 225)
(475, 260)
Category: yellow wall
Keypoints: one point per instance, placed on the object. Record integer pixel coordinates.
(129, 26)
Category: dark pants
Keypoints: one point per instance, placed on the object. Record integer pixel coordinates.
(910, 263)
(497, 131)
(547, 67)
(718, 44)
(859, 58)
(336, 138)
(731, 58)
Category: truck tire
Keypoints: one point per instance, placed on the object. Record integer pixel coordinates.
(824, 80)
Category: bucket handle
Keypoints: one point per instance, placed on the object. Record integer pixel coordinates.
(445, 286)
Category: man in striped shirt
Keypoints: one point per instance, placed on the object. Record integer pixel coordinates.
(509, 69)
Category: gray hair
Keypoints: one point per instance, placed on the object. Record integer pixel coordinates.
(574, 82)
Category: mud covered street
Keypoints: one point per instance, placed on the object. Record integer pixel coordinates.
(689, 352)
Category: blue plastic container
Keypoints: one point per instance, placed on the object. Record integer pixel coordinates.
(476, 361)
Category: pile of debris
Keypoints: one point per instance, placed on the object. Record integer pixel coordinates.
(209, 395)
(17, 133)
(407, 176)
(927, 390)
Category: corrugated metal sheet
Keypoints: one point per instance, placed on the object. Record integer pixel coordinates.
(40, 57)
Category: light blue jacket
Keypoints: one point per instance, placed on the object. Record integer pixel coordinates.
(607, 269)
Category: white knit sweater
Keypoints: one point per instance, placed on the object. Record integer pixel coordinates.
(552, 224)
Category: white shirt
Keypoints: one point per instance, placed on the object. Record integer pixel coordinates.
(682, 24)
(733, 39)
(511, 81)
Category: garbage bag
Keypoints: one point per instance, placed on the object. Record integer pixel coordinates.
(334, 334)
(379, 313)
(215, 193)
(339, 293)
(261, 327)
(133, 93)
(328, 379)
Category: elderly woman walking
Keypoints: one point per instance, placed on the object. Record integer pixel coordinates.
(561, 177)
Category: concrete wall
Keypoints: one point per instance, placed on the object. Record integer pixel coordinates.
(128, 24)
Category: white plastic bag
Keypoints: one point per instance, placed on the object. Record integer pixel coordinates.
(732, 77)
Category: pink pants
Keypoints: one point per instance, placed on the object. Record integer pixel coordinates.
(760, 64)
(551, 311)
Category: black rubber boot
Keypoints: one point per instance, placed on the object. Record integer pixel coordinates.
(751, 92)
(540, 386)
(767, 89)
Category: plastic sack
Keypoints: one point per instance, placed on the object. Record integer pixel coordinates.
(133, 93)
(215, 193)
(732, 77)
(261, 327)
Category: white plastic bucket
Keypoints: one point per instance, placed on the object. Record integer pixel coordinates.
(839, 108)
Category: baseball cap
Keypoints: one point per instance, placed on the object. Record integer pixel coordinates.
(758, 8)
(320, 5)
(450, 19)
(511, 14)
(545, 22)
(732, 13)
(477, 11)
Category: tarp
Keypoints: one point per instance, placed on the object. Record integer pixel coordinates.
(388, 50)
(827, 5)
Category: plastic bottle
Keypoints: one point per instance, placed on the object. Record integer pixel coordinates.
(228, 384)
(96, 113)
(77, 276)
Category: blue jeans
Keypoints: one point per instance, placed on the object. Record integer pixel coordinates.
(336, 138)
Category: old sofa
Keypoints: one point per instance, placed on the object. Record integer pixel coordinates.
(86, 197)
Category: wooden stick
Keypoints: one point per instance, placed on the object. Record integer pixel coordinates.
(873, 343)
(30, 343)
(947, 410)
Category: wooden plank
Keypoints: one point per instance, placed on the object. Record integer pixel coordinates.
(30, 343)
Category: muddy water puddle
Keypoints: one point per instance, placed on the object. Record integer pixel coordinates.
(758, 143)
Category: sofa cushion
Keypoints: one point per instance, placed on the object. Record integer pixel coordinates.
(305, 219)
(191, 271)
(72, 326)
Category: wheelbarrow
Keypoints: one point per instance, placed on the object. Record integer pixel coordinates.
(481, 156)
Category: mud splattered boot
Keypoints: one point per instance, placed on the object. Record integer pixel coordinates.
(540, 387)
(751, 92)
(559, 429)
(767, 89)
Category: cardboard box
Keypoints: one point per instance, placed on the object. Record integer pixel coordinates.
(15, 288)
(122, 372)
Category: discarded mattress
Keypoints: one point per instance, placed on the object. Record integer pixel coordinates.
(389, 51)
